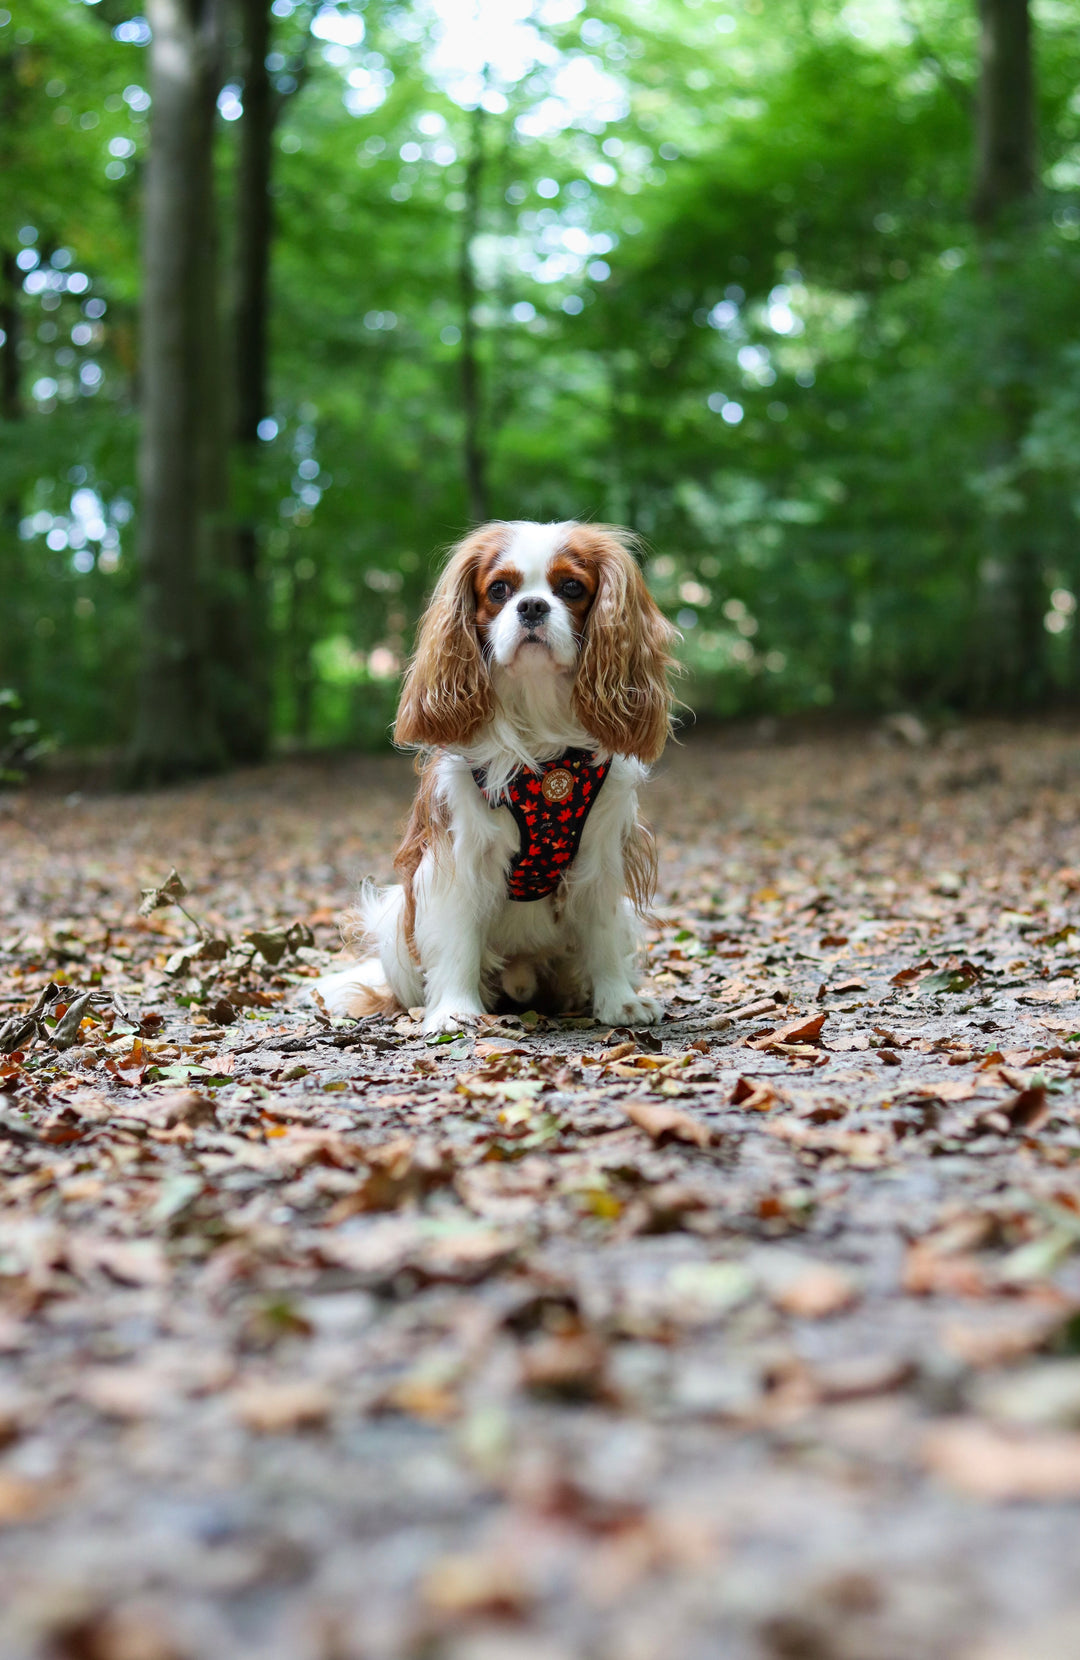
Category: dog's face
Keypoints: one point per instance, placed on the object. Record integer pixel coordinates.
(522, 600)
(532, 592)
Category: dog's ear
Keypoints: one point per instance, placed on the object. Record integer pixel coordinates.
(621, 692)
(447, 697)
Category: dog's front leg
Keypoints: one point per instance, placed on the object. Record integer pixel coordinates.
(609, 945)
(600, 914)
(451, 927)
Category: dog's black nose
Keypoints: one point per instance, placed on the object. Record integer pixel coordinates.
(532, 611)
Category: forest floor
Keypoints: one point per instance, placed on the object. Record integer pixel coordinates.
(753, 1337)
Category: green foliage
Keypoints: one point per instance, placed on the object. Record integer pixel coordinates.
(22, 741)
(728, 293)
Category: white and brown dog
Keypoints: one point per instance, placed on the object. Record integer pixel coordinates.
(538, 694)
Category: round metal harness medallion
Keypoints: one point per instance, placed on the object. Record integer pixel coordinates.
(558, 785)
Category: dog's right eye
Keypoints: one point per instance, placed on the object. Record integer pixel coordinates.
(499, 592)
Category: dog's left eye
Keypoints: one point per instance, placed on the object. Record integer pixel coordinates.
(571, 588)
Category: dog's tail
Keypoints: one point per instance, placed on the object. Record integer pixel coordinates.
(365, 987)
(355, 991)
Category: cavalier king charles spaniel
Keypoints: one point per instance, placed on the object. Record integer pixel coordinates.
(537, 696)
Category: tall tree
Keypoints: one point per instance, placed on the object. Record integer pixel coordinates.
(1012, 641)
(175, 730)
(1005, 123)
(13, 653)
(473, 453)
(240, 631)
(13, 664)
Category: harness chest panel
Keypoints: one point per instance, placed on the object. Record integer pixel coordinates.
(550, 807)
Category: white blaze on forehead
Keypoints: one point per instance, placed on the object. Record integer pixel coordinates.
(532, 547)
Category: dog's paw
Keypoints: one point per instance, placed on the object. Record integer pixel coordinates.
(448, 1018)
(621, 1008)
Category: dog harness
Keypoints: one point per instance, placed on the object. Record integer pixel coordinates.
(550, 806)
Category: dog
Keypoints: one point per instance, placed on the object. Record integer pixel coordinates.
(537, 696)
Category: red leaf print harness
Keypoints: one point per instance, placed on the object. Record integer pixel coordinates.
(550, 807)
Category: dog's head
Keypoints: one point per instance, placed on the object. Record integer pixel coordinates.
(518, 601)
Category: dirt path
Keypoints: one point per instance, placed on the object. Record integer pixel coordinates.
(756, 1339)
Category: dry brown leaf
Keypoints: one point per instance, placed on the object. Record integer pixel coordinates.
(1004, 1337)
(755, 1094)
(992, 1464)
(572, 1366)
(387, 1246)
(949, 1089)
(175, 1106)
(864, 1148)
(928, 1273)
(667, 1123)
(618, 1052)
(752, 1011)
(1027, 1111)
(816, 1291)
(130, 1391)
(858, 1376)
(478, 1583)
(21, 1498)
(905, 976)
(422, 1395)
(275, 1408)
(131, 1261)
(805, 1030)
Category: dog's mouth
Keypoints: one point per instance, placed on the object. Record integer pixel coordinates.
(532, 649)
(534, 636)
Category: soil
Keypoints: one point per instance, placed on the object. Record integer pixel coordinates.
(756, 1335)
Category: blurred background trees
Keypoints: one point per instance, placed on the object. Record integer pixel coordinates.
(790, 286)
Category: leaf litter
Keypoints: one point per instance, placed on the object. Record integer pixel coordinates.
(320, 1338)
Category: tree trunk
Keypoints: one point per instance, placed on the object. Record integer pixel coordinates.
(243, 627)
(1005, 124)
(15, 660)
(1011, 640)
(175, 732)
(475, 461)
(11, 323)
(14, 657)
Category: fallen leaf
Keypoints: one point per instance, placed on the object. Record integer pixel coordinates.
(805, 1030)
(276, 1408)
(667, 1123)
(751, 1011)
(905, 975)
(126, 1391)
(959, 978)
(928, 1273)
(992, 1464)
(477, 1584)
(130, 1261)
(570, 1366)
(21, 1498)
(1001, 1338)
(815, 1292)
(755, 1094)
(175, 1106)
(1028, 1111)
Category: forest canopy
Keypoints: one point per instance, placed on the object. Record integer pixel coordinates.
(790, 287)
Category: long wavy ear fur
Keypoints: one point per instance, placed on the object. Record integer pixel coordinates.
(621, 693)
(446, 697)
